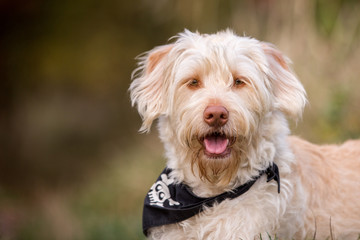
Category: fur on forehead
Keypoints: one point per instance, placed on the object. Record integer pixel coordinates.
(221, 46)
(160, 70)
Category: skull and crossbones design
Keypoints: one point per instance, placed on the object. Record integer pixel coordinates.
(159, 192)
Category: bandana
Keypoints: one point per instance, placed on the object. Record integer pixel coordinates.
(168, 203)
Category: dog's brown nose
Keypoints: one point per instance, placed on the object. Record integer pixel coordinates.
(216, 116)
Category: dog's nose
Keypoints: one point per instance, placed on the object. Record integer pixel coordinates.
(216, 116)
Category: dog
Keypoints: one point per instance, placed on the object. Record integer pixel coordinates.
(222, 102)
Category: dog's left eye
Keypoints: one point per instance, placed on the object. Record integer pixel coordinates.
(238, 82)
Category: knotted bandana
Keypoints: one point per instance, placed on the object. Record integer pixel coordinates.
(168, 203)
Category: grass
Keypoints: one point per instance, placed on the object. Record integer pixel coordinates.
(107, 207)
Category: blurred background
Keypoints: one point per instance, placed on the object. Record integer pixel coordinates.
(72, 165)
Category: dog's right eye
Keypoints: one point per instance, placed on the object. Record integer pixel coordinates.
(193, 83)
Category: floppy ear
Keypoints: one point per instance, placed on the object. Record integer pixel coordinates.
(148, 88)
(290, 95)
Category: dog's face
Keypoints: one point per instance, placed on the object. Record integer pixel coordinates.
(212, 93)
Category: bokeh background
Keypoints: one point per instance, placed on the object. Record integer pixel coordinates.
(72, 165)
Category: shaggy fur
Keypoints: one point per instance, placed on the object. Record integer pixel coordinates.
(252, 80)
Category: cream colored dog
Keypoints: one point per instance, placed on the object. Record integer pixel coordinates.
(222, 102)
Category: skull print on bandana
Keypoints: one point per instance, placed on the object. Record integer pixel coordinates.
(159, 192)
(182, 203)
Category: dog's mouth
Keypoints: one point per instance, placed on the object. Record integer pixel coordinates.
(217, 145)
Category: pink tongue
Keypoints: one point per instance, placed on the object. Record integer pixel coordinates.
(216, 144)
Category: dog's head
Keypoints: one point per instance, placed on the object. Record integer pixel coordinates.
(211, 93)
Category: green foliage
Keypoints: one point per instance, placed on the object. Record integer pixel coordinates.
(112, 228)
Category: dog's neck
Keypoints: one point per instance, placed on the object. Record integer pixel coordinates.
(261, 150)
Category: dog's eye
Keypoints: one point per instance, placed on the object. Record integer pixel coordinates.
(194, 83)
(238, 82)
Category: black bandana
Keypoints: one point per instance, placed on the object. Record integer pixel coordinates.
(168, 203)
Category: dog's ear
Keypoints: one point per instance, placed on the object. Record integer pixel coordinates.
(290, 95)
(148, 88)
